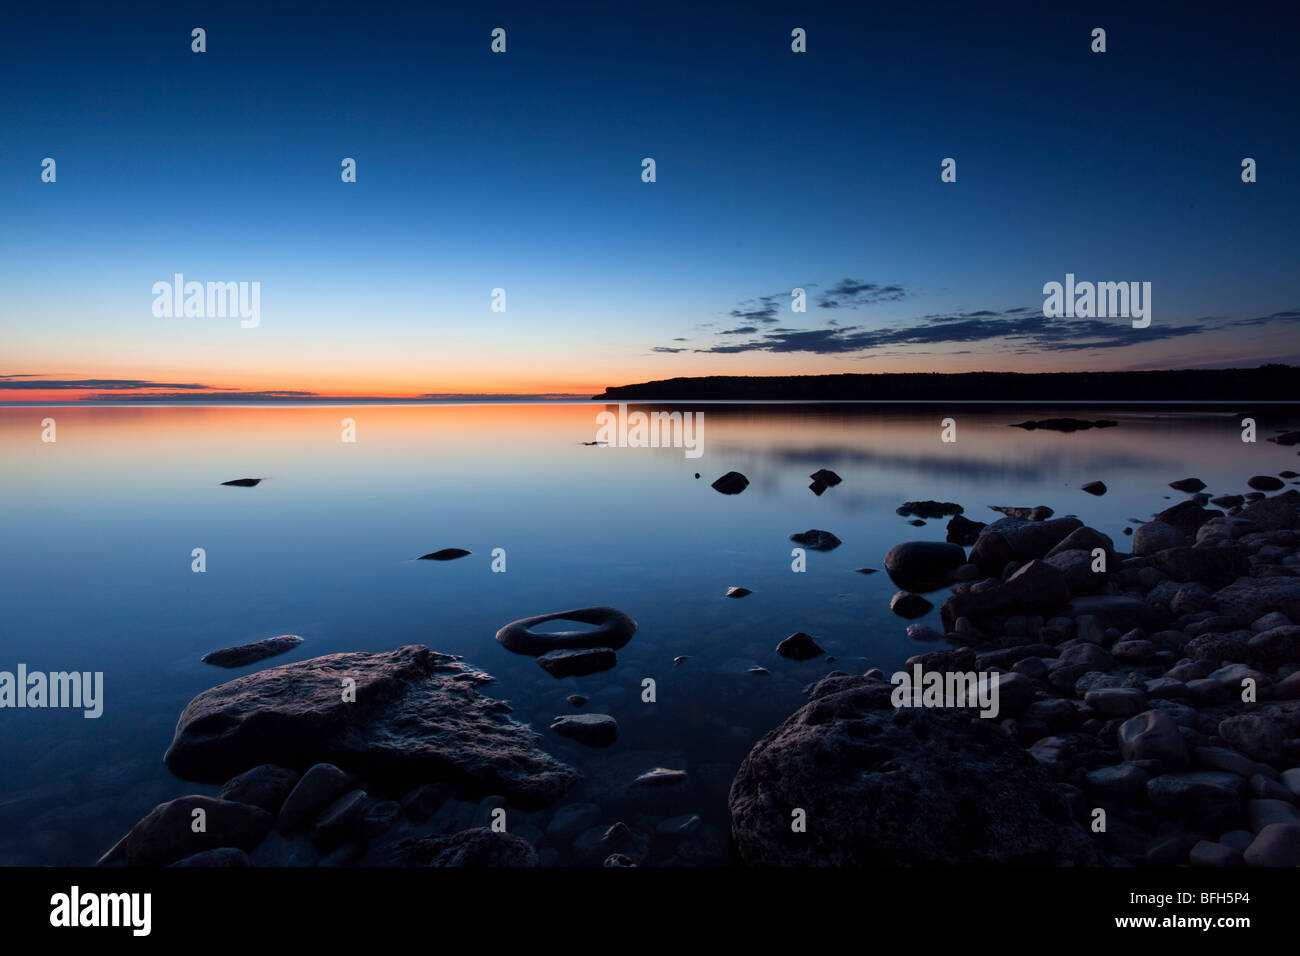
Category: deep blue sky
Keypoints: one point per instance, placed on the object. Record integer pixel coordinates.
(522, 171)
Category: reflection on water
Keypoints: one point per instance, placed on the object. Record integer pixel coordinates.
(100, 528)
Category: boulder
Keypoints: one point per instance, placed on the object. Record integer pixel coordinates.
(907, 604)
(1035, 587)
(265, 786)
(167, 834)
(1156, 536)
(799, 647)
(610, 628)
(594, 730)
(923, 565)
(578, 663)
(886, 786)
(416, 718)
(1154, 735)
(1247, 599)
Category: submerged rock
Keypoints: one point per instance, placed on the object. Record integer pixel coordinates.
(738, 592)
(594, 730)
(250, 653)
(410, 715)
(886, 786)
(578, 663)
(907, 604)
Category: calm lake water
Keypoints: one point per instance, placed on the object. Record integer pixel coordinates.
(99, 527)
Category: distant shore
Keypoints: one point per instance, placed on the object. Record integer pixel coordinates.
(1271, 383)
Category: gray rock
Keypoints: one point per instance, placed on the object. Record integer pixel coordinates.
(923, 565)
(416, 717)
(265, 786)
(226, 856)
(320, 786)
(1278, 844)
(578, 663)
(251, 653)
(610, 628)
(594, 730)
(897, 786)
(817, 540)
(167, 834)
(341, 821)
(1208, 796)
(1116, 701)
(1262, 813)
(1154, 735)
(1154, 536)
(800, 647)
(1249, 599)
(1256, 735)
(475, 847)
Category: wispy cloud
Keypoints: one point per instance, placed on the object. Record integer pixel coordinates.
(852, 293)
(35, 382)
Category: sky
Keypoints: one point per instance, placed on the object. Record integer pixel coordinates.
(522, 171)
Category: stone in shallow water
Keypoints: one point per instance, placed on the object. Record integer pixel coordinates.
(578, 663)
(800, 647)
(1188, 485)
(738, 592)
(409, 716)
(1095, 487)
(250, 653)
(660, 777)
(923, 565)
(243, 482)
(826, 477)
(817, 540)
(610, 628)
(732, 483)
(446, 554)
(594, 730)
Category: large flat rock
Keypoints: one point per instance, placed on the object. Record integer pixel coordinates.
(416, 717)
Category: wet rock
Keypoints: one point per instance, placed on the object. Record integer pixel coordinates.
(1030, 540)
(265, 786)
(341, 821)
(226, 856)
(166, 834)
(1154, 536)
(1265, 483)
(800, 647)
(594, 730)
(660, 777)
(738, 592)
(618, 859)
(578, 700)
(1077, 567)
(578, 663)
(1247, 599)
(1095, 487)
(826, 477)
(1035, 587)
(929, 509)
(906, 604)
(817, 540)
(1258, 736)
(611, 628)
(923, 632)
(1187, 517)
(1154, 735)
(446, 554)
(732, 483)
(1209, 796)
(1116, 701)
(1212, 567)
(476, 847)
(923, 565)
(1188, 485)
(1216, 855)
(244, 482)
(1276, 646)
(416, 717)
(1126, 781)
(897, 786)
(964, 531)
(1278, 844)
(251, 653)
(1065, 424)
(572, 819)
(320, 786)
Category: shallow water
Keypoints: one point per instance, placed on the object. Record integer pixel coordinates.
(99, 528)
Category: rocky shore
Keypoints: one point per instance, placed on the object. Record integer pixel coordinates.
(1148, 715)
